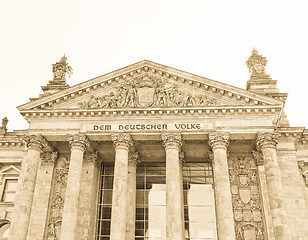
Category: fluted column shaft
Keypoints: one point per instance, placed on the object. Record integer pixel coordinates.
(131, 195)
(267, 143)
(122, 142)
(27, 181)
(223, 199)
(175, 228)
(78, 144)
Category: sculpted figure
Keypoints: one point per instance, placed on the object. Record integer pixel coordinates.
(160, 96)
(131, 97)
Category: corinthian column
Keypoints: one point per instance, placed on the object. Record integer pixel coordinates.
(267, 143)
(131, 195)
(175, 229)
(23, 204)
(121, 142)
(224, 212)
(78, 143)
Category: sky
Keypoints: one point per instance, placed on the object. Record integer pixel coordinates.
(212, 39)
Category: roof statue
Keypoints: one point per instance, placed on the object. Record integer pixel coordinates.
(60, 70)
(3, 128)
(256, 64)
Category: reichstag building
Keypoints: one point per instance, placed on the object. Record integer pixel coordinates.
(149, 152)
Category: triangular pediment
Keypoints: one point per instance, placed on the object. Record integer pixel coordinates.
(10, 170)
(148, 85)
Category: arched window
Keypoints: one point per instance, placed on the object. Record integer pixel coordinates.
(4, 230)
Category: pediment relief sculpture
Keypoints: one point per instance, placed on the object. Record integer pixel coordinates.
(148, 91)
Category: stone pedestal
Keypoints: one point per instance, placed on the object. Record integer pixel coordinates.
(26, 188)
(41, 199)
(175, 228)
(78, 144)
(267, 143)
(122, 142)
(224, 212)
(131, 195)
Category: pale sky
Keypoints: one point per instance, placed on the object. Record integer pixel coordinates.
(212, 39)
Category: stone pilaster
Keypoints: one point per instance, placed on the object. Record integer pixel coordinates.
(258, 156)
(41, 196)
(267, 142)
(175, 228)
(122, 143)
(24, 199)
(88, 196)
(78, 144)
(131, 194)
(224, 213)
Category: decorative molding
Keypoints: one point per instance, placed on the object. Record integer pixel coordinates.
(78, 141)
(49, 158)
(122, 140)
(219, 140)
(211, 111)
(37, 142)
(172, 140)
(267, 140)
(258, 156)
(246, 201)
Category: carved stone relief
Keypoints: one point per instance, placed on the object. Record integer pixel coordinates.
(248, 214)
(147, 91)
(57, 201)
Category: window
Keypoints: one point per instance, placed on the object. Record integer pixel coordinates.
(10, 188)
(4, 231)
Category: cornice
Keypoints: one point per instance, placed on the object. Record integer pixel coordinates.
(212, 111)
(156, 69)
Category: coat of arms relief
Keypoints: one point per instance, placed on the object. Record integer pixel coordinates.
(148, 91)
(248, 214)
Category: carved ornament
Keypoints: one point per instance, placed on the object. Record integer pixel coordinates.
(258, 156)
(37, 142)
(92, 157)
(57, 201)
(267, 140)
(172, 140)
(219, 139)
(247, 208)
(122, 140)
(78, 141)
(147, 91)
(3, 128)
(133, 158)
(49, 158)
(256, 64)
(60, 69)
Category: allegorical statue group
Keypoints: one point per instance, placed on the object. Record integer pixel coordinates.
(159, 94)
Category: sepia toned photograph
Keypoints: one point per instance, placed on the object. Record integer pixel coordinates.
(153, 120)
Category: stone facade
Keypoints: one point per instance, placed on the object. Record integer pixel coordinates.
(119, 156)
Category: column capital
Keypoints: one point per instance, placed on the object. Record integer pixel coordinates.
(219, 140)
(267, 140)
(78, 141)
(122, 140)
(49, 158)
(172, 140)
(133, 158)
(37, 142)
